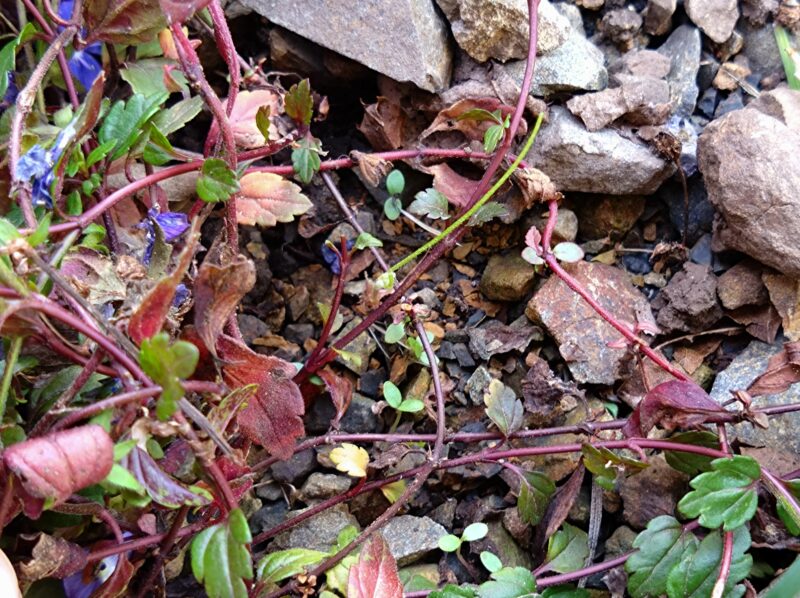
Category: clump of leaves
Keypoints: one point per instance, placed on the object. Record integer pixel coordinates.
(221, 559)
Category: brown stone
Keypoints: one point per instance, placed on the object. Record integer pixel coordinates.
(507, 278)
(742, 285)
(651, 493)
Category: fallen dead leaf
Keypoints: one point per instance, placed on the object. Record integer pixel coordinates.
(266, 199)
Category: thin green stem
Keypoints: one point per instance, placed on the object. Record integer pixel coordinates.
(8, 373)
(478, 204)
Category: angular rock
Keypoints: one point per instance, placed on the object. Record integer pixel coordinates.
(683, 48)
(507, 278)
(757, 11)
(742, 285)
(621, 26)
(324, 485)
(410, 538)
(761, 50)
(748, 161)
(743, 370)
(641, 100)
(646, 63)
(581, 334)
(598, 110)
(501, 543)
(784, 293)
(716, 18)
(576, 65)
(292, 470)
(495, 338)
(359, 416)
(613, 217)
(579, 160)
(566, 224)
(317, 533)
(499, 28)
(689, 302)
(360, 347)
(658, 16)
(477, 384)
(404, 40)
(652, 492)
(781, 103)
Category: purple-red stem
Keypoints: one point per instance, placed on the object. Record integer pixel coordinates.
(724, 565)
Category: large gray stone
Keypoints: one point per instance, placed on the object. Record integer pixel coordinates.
(403, 39)
(683, 48)
(716, 18)
(410, 538)
(317, 533)
(591, 162)
(750, 167)
(743, 370)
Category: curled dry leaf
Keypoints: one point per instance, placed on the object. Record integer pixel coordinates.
(374, 575)
(243, 117)
(472, 128)
(341, 390)
(670, 405)
(218, 289)
(267, 199)
(384, 125)
(536, 186)
(52, 557)
(273, 418)
(59, 464)
(456, 188)
(372, 169)
(783, 370)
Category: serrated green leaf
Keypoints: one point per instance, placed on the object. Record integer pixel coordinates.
(516, 582)
(365, 240)
(487, 212)
(167, 364)
(503, 407)
(395, 182)
(217, 182)
(298, 103)
(535, 491)
(725, 496)
(449, 543)
(691, 463)
(392, 394)
(392, 207)
(283, 564)
(126, 119)
(660, 548)
(453, 591)
(474, 531)
(305, 159)
(567, 549)
(697, 572)
(430, 203)
(394, 333)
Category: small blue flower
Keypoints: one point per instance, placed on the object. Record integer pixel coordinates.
(11, 93)
(174, 224)
(80, 585)
(332, 258)
(84, 64)
(38, 164)
(181, 295)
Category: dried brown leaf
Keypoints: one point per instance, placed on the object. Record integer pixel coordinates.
(52, 557)
(266, 199)
(783, 370)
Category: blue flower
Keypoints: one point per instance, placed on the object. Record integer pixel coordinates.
(84, 64)
(173, 224)
(81, 585)
(11, 93)
(38, 164)
(181, 295)
(332, 258)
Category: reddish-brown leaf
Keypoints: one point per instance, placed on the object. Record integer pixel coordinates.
(670, 405)
(243, 117)
(52, 557)
(122, 21)
(456, 188)
(557, 511)
(783, 370)
(159, 485)
(374, 575)
(149, 318)
(59, 464)
(218, 289)
(178, 11)
(472, 128)
(341, 390)
(273, 419)
(266, 199)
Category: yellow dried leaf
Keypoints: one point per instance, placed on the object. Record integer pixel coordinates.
(394, 490)
(350, 459)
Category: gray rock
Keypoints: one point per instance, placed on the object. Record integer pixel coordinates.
(499, 28)
(573, 15)
(621, 26)
(324, 485)
(749, 165)
(716, 18)
(507, 278)
(317, 533)
(658, 16)
(761, 50)
(268, 517)
(405, 40)
(613, 217)
(477, 384)
(566, 224)
(359, 416)
(583, 336)
(463, 356)
(743, 370)
(298, 333)
(410, 538)
(650, 493)
(495, 338)
(363, 346)
(578, 160)
(501, 543)
(646, 63)
(683, 47)
(781, 103)
(576, 65)
(620, 542)
(642, 100)
(689, 302)
(758, 11)
(742, 285)
(296, 467)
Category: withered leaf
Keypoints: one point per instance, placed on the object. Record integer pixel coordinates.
(266, 199)
(158, 484)
(372, 168)
(340, 388)
(783, 370)
(536, 186)
(52, 557)
(243, 120)
(384, 124)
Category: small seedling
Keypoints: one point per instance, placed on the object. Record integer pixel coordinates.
(396, 401)
(471, 533)
(395, 183)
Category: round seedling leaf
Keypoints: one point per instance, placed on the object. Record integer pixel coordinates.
(392, 394)
(491, 561)
(474, 531)
(568, 252)
(449, 543)
(411, 406)
(395, 182)
(529, 255)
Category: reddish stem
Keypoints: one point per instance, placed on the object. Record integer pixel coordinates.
(724, 565)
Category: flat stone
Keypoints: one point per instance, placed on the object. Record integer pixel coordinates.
(507, 278)
(747, 154)
(495, 338)
(579, 160)
(581, 334)
(761, 50)
(743, 370)
(499, 28)
(646, 63)
(716, 18)
(658, 16)
(477, 384)
(463, 356)
(683, 48)
(359, 416)
(642, 100)
(652, 492)
(784, 294)
(410, 538)
(405, 40)
(603, 216)
(363, 346)
(292, 470)
(324, 485)
(317, 533)
(742, 285)
(689, 301)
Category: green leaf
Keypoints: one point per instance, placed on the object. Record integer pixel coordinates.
(9, 53)
(262, 121)
(453, 591)
(298, 103)
(217, 182)
(691, 463)
(490, 561)
(487, 212)
(449, 543)
(39, 236)
(125, 121)
(787, 583)
(565, 592)
(787, 53)
(167, 364)
(492, 137)
(481, 115)
(392, 394)
(364, 240)
(122, 478)
(430, 203)
(697, 572)
(100, 152)
(395, 333)
(392, 207)
(605, 465)
(8, 232)
(176, 116)
(395, 182)
(535, 491)
(221, 559)
(503, 407)
(725, 496)
(147, 76)
(411, 406)
(284, 564)
(305, 159)
(567, 549)
(660, 548)
(516, 582)
(474, 531)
